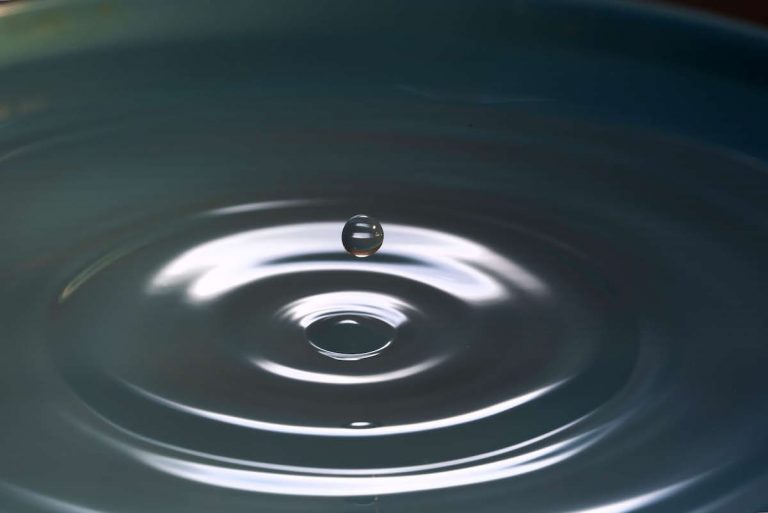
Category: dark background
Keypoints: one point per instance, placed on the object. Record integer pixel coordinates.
(755, 11)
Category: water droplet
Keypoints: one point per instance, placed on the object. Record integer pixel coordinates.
(350, 336)
(362, 236)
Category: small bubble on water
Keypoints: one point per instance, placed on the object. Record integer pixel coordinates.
(362, 236)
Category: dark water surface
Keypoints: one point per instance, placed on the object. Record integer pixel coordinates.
(567, 315)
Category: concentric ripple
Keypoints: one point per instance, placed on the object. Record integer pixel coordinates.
(250, 288)
(248, 335)
(566, 315)
(448, 335)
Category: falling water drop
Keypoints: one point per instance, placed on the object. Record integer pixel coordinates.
(362, 236)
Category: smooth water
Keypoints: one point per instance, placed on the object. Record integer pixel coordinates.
(568, 314)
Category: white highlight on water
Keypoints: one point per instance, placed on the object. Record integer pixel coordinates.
(455, 265)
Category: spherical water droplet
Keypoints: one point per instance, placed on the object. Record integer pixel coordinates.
(362, 236)
(349, 336)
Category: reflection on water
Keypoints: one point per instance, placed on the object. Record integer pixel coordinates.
(566, 315)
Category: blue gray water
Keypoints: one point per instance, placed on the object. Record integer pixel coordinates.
(567, 315)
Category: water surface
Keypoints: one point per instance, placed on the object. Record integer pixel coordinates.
(567, 314)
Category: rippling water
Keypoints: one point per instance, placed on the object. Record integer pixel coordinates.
(567, 315)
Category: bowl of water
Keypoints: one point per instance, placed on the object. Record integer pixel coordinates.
(397, 257)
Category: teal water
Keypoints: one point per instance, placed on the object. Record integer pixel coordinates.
(567, 314)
